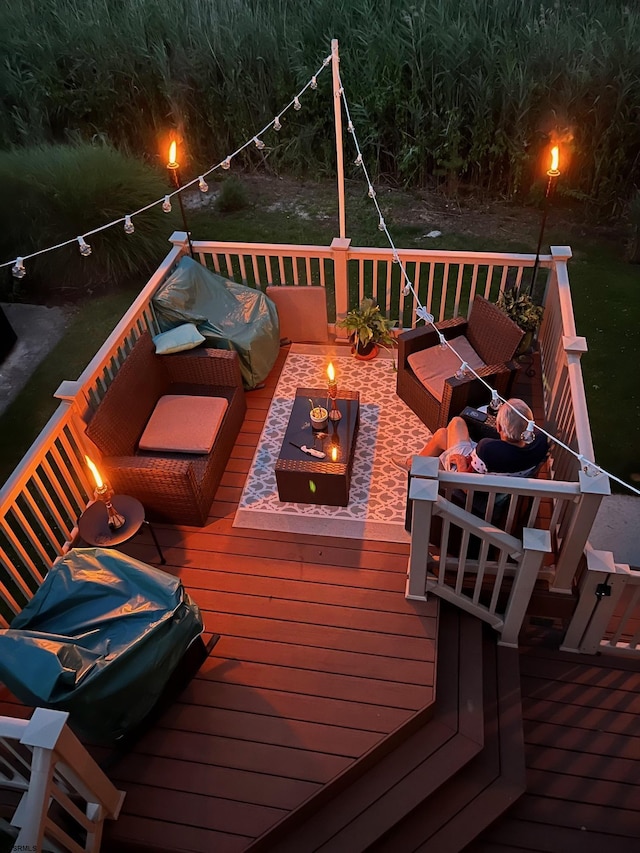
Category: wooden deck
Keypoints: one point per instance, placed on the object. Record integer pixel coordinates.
(320, 658)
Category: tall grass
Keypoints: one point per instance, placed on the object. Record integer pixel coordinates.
(442, 90)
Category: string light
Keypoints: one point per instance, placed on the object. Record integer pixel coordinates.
(463, 371)
(276, 123)
(442, 341)
(258, 143)
(166, 204)
(226, 163)
(296, 103)
(128, 225)
(85, 248)
(18, 270)
(422, 313)
(588, 467)
(314, 82)
(495, 402)
(528, 435)
(358, 160)
(381, 227)
(350, 126)
(372, 192)
(203, 186)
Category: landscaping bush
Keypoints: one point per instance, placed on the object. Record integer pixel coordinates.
(52, 194)
(232, 196)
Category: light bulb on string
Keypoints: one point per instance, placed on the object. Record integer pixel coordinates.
(372, 192)
(128, 225)
(358, 160)
(528, 435)
(406, 290)
(326, 61)
(588, 467)
(258, 143)
(442, 341)
(166, 204)
(226, 164)
(463, 371)
(85, 248)
(396, 258)
(276, 123)
(340, 92)
(381, 224)
(203, 186)
(296, 103)
(350, 126)
(314, 82)
(18, 270)
(423, 314)
(495, 402)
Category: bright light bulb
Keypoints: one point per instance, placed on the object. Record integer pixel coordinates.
(18, 270)
(128, 225)
(85, 248)
(203, 186)
(166, 204)
(276, 123)
(259, 143)
(226, 164)
(296, 103)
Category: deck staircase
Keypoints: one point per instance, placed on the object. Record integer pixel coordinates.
(439, 781)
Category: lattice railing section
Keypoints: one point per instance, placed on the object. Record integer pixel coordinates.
(64, 796)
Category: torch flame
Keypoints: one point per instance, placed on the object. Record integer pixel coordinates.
(334, 454)
(95, 472)
(331, 373)
(173, 148)
(555, 158)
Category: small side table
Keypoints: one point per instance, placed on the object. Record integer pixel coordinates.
(94, 529)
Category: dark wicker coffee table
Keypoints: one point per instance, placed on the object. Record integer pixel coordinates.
(302, 478)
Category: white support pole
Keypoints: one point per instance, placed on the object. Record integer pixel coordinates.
(536, 544)
(423, 491)
(337, 113)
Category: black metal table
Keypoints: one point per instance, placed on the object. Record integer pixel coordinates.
(94, 529)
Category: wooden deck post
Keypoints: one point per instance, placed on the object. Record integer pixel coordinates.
(423, 490)
(337, 116)
(340, 247)
(536, 544)
(592, 490)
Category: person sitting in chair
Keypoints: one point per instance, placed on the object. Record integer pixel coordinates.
(508, 453)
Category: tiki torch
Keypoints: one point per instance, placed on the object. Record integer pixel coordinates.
(173, 168)
(552, 179)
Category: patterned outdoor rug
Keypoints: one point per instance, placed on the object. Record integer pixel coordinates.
(378, 489)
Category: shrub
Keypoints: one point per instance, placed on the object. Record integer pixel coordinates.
(232, 196)
(54, 193)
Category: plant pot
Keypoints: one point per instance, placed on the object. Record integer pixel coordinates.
(365, 353)
(525, 344)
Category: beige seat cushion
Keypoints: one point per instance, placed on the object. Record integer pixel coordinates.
(302, 311)
(184, 424)
(433, 366)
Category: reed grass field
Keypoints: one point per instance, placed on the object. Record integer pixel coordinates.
(451, 93)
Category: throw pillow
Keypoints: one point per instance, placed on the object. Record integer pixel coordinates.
(178, 339)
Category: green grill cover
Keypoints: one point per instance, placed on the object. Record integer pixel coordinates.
(228, 314)
(99, 639)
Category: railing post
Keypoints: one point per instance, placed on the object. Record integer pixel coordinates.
(536, 544)
(423, 491)
(600, 591)
(340, 247)
(592, 490)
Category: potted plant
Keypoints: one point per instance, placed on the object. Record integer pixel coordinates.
(521, 308)
(368, 329)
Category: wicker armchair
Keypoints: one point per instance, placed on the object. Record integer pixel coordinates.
(494, 337)
(174, 487)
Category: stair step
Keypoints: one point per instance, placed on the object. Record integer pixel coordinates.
(359, 806)
(492, 781)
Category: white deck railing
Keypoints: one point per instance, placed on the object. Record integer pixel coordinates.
(58, 782)
(41, 501)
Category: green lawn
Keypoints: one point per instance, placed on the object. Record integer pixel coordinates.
(606, 299)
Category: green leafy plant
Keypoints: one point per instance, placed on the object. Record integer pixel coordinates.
(521, 308)
(367, 325)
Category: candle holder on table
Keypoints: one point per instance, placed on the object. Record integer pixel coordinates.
(335, 414)
(104, 493)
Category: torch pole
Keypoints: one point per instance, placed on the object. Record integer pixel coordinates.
(553, 175)
(175, 178)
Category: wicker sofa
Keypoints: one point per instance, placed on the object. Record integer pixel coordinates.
(174, 487)
(491, 334)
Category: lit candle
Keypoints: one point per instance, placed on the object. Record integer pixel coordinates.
(173, 149)
(554, 172)
(332, 390)
(334, 453)
(101, 486)
(104, 493)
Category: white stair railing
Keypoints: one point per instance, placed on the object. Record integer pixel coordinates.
(65, 796)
